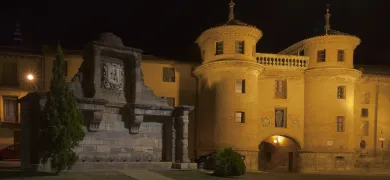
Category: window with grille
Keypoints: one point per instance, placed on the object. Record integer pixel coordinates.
(281, 117)
(10, 74)
(10, 109)
(340, 123)
(340, 55)
(240, 86)
(365, 128)
(240, 47)
(341, 92)
(366, 98)
(281, 89)
(321, 54)
(168, 74)
(364, 112)
(219, 47)
(240, 117)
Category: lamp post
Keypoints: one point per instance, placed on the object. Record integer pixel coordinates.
(30, 78)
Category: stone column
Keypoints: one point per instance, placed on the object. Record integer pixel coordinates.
(173, 157)
(181, 124)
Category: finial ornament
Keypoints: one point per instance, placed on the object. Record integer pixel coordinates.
(231, 13)
(327, 17)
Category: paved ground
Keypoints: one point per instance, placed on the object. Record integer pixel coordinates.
(193, 175)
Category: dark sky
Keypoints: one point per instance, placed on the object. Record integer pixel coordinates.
(170, 27)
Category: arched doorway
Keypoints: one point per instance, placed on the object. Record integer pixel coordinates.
(278, 154)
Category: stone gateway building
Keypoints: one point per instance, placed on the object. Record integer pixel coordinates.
(306, 108)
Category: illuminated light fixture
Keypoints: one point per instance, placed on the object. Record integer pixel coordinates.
(279, 138)
(30, 77)
(275, 141)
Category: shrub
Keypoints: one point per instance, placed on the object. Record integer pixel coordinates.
(229, 163)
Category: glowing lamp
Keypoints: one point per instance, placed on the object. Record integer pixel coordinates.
(30, 77)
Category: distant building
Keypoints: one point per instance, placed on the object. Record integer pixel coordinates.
(307, 108)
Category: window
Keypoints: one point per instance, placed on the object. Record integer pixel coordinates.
(321, 55)
(281, 89)
(10, 109)
(280, 117)
(341, 92)
(168, 74)
(219, 47)
(340, 123)
(203, 54)
(171, 101)
(10, 74)
(366, 98)
(65, 67)
(365, 128)
(240, 117)
(340, 55)
(240, 47)
(364, 112)
(254, 51)
(240, 86)
(301, 52)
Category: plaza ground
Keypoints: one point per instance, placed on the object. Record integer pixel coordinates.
(14, 173)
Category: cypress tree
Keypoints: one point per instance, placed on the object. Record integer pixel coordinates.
(61, 123)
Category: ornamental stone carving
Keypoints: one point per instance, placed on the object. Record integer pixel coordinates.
(295, 123)
(265, 122)
(113, 76)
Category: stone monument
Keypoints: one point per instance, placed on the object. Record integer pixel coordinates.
(126, 124)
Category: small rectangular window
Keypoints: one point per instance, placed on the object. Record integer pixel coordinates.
(168, 74)
(203, 54)
(364, 112)
(219, 47)
(281, 89)
(240, 86)
(10, 109)
(365, 98)
(341, 92)
(240, 47)
(281, 117)
(365, 128)
(340, 55)
(10, 74)
(340, 123)
(321, 54)
(301, 52)
(240, 117)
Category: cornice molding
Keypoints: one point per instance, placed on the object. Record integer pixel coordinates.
(229, 30)
(331, 73)
(325, 39)
(203, 69)
(283, 74)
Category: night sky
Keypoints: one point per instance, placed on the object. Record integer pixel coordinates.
(168, 28)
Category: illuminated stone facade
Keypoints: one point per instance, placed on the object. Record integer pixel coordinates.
(335, 112)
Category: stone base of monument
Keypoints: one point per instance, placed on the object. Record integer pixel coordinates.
(106, 166)
(187, 166)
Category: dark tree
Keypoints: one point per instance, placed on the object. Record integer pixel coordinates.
(61, 124)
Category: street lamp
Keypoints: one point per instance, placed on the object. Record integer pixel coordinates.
(30, 78)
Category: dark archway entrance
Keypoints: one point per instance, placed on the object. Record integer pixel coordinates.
(278, 154)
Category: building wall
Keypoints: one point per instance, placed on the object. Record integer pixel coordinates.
(378, 118)
(26, 63)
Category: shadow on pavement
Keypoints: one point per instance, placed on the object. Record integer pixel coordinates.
(17, 173)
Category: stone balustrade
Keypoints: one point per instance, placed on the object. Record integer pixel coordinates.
(282, 61)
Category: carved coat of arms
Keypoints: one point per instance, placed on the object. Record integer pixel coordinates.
(265, 122)
(113, 76)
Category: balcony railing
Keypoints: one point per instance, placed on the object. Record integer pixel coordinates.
(282, 61)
